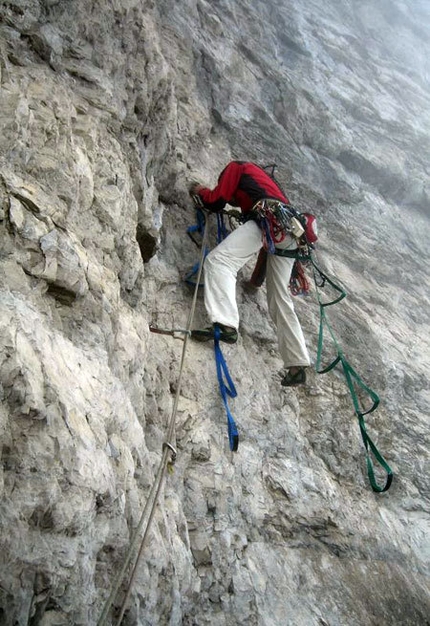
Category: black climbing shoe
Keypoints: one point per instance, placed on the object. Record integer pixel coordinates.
(291, 380)
(229, 335)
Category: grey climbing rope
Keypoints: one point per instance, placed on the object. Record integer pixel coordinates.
(167, 459)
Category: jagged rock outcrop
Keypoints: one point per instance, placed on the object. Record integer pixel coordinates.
(107, 111)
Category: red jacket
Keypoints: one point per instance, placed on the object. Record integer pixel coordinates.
(241, 184)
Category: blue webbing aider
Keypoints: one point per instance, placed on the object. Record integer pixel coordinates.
(226, 385)
(227, 388)
(196, 228)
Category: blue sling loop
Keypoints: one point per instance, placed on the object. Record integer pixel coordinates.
(227, 388)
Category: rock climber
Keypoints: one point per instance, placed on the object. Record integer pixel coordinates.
(243, 184)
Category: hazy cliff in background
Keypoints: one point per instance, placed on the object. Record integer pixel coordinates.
(107, 111)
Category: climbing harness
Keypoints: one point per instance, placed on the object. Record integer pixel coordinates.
(352, 378)
(167, 460)
(276, 219)
(227, 388)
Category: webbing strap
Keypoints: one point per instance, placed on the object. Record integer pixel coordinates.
(227, 388)
(198, 227)
(221, 227)
(222, 233)
(226, 385)
(353, 381)
(292, 254)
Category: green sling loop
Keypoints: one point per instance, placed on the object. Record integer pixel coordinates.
(352, 379)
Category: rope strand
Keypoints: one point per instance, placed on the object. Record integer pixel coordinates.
(157, 485)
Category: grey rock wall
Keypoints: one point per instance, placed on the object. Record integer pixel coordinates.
(107, 111)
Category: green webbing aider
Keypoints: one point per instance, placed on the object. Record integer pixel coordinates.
(352, 378)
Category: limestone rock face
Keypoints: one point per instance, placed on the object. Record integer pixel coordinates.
(108, 111)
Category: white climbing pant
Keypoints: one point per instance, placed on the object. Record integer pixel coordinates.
(221, 267)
